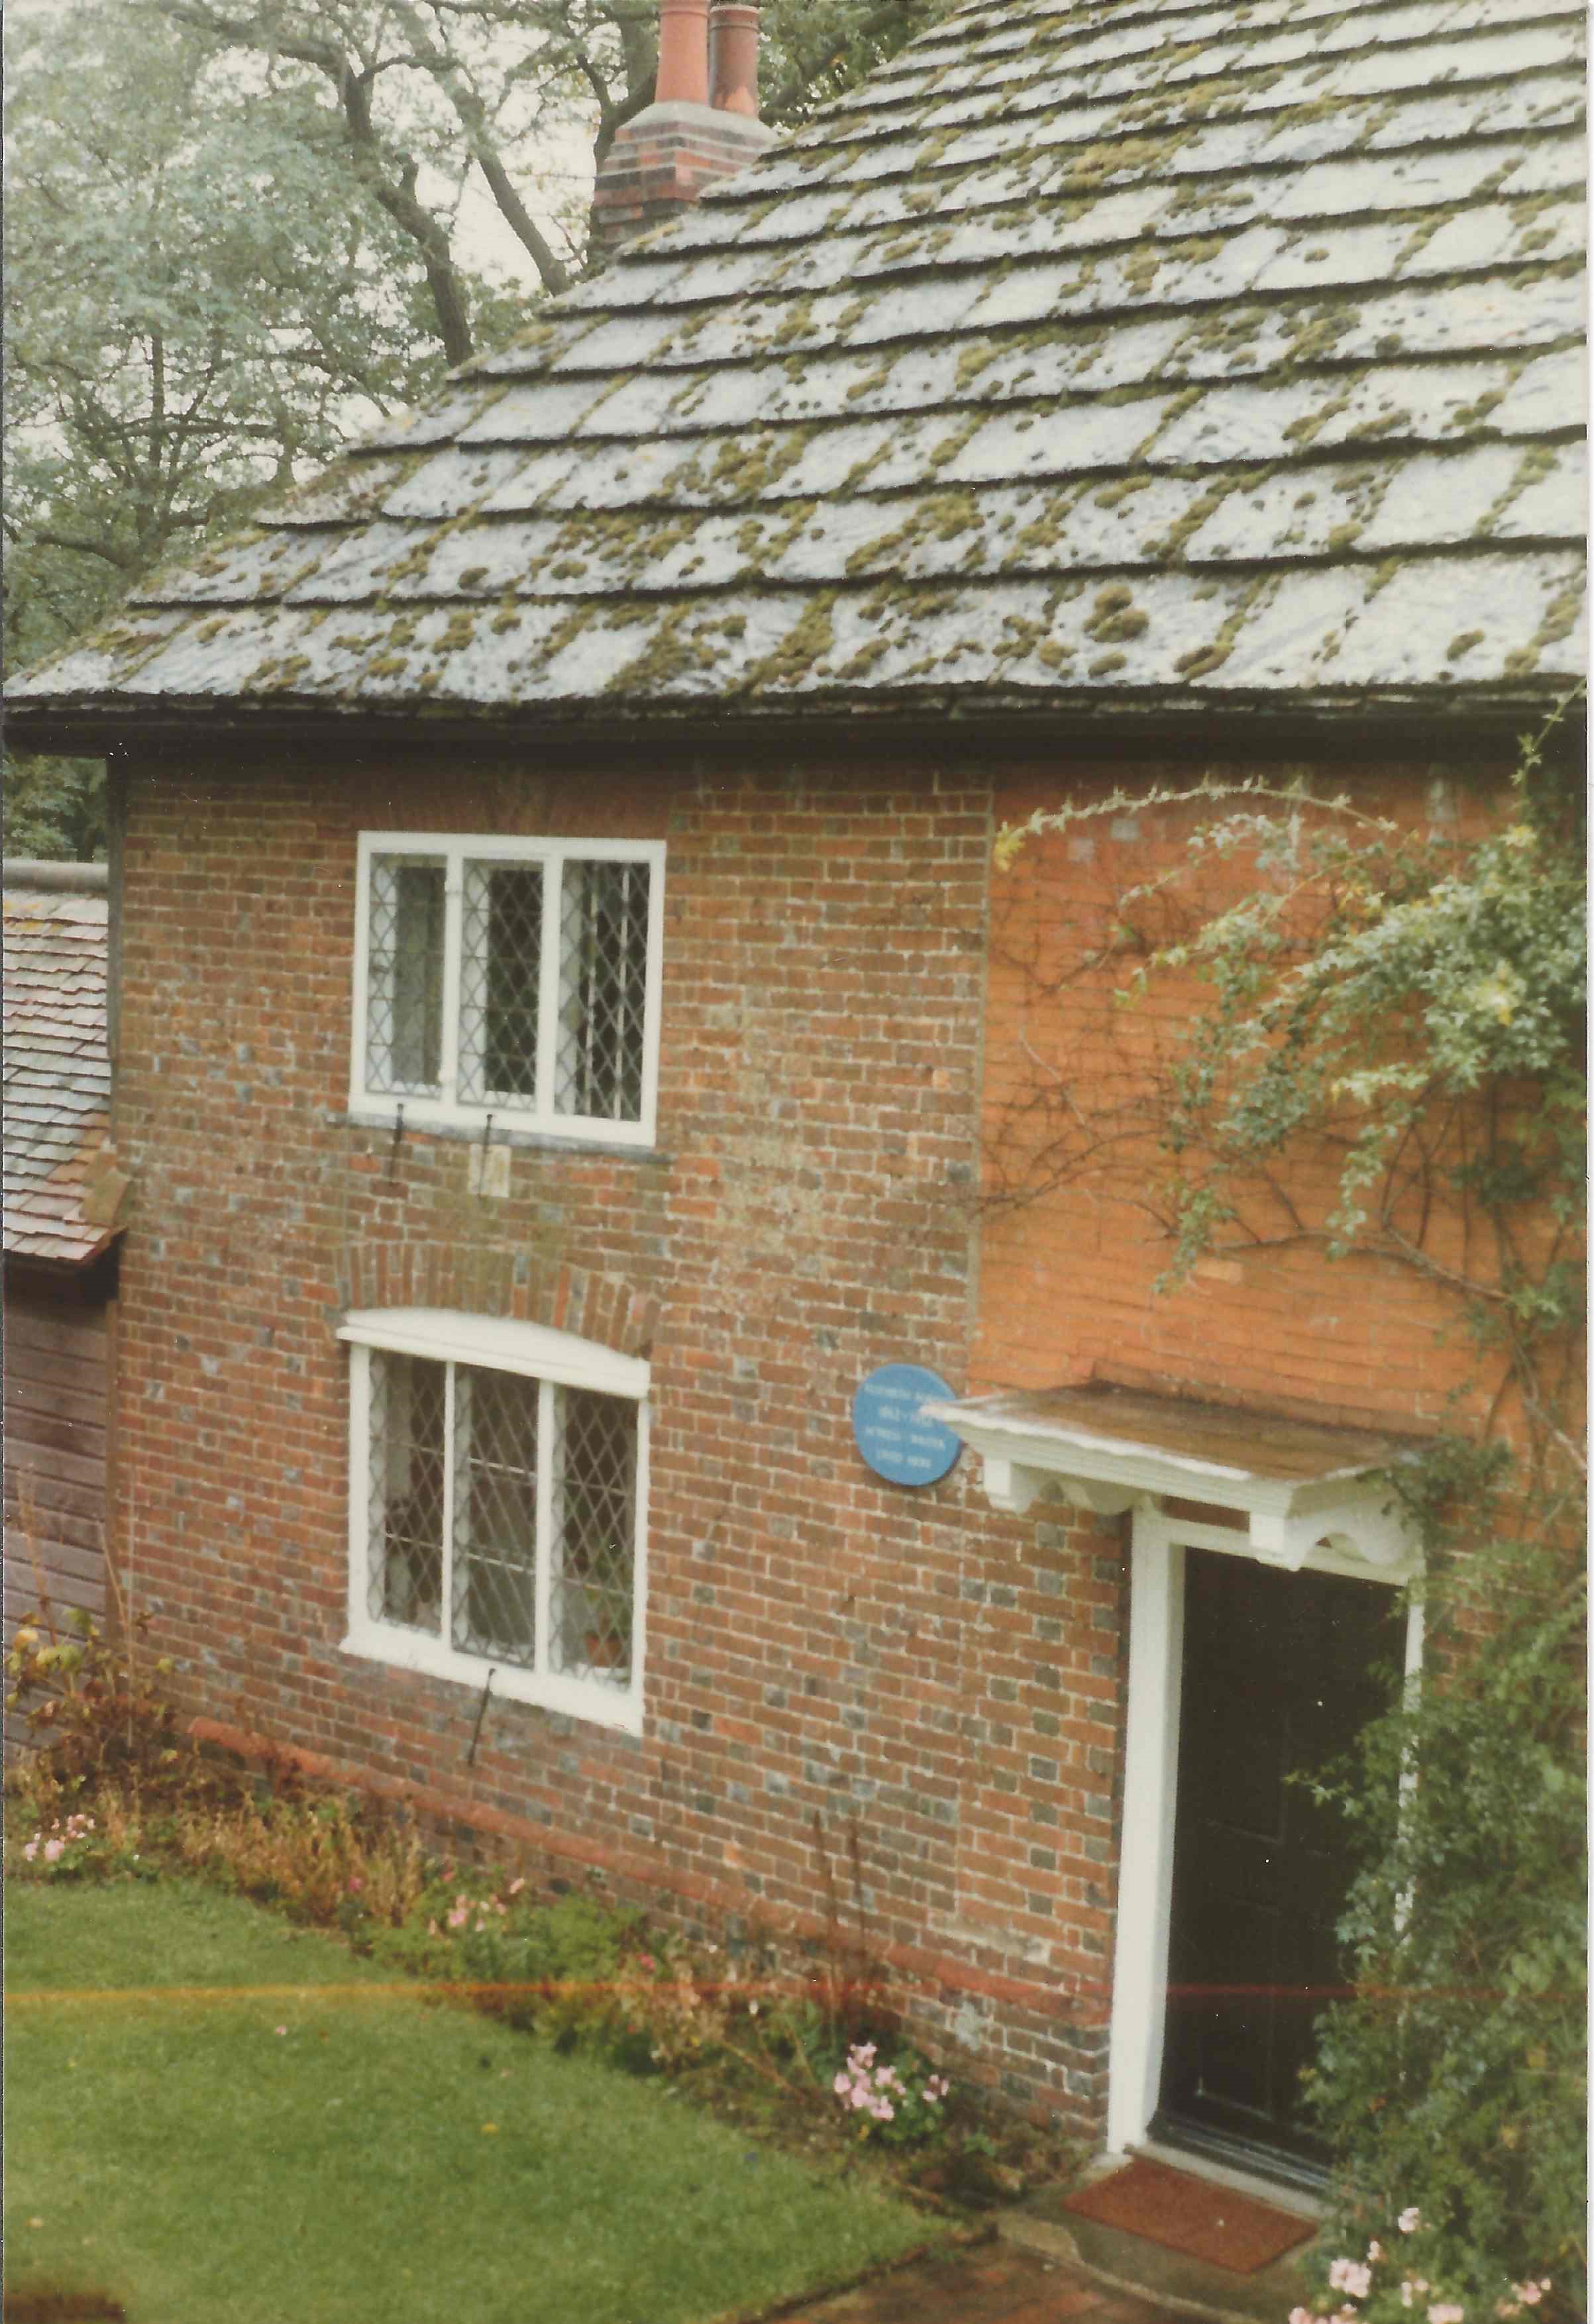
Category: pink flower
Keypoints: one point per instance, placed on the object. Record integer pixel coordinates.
(1350, 2275)
(1302, 2316)
(1375, 2252)
(53, 1850)
(1409, 2220)
(1531, 2293)
(355, 1884)
(1446, 2311)
(460, 1916)
(278, 2029)
(1508, 2307)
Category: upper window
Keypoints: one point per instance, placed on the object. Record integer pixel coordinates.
(512, 977)
(497, 1502)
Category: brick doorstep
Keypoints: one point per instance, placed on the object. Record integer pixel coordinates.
(1128, 2267)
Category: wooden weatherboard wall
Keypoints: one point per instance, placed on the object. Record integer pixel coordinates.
(61, 1237)
(57, 1368)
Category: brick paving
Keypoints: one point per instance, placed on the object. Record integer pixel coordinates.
(994, 2284)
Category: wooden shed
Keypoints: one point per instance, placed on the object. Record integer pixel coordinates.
(60, 1237)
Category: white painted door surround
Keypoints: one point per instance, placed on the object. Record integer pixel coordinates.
(1298, 1495)
(1151, 1786)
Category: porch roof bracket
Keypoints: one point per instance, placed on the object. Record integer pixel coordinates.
(1297, 1486)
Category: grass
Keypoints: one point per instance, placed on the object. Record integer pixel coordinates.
(384, 2157)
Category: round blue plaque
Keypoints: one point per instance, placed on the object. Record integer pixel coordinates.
(898, 1442)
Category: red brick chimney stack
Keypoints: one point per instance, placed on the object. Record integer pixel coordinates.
(701, 124)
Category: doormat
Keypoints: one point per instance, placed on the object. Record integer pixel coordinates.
(1191, 2216)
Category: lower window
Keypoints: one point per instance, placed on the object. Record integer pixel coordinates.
(496, 1507)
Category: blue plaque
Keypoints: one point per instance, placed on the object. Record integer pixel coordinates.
(892, 1436)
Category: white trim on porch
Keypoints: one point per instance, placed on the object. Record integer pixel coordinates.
(1303, 1496)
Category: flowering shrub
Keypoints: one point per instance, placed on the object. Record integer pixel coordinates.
(664, 2006)
(66, 1848)
(1392, 2285)
(900, 2104)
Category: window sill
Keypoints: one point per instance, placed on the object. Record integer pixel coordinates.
(602, 1703)
(477, 1133)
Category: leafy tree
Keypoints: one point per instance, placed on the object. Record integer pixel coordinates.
(250, 237)
(200, 302)
(448, 87)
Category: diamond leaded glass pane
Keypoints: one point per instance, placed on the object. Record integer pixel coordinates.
(500, 976)
(594, 1565)
(404, 977)
(494, 1514)
(404, 1580)
(602, 989)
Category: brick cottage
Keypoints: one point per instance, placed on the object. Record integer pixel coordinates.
(572, 1035)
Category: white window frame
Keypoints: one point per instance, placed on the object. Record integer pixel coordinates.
(554, 1359)
(454, 850)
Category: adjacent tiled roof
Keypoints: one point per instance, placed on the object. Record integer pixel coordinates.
(58, 1070)
(1096, 353)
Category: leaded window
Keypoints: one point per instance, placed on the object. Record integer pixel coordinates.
(497, 1508)
(515, 978)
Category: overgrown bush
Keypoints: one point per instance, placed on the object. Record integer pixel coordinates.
(1454, 2084)
(95, 1702)
(323, 1857)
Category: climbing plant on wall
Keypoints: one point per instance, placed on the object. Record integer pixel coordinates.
(1379, 1051)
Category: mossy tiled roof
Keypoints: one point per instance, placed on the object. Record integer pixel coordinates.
(1096, 353)
(57, 1071)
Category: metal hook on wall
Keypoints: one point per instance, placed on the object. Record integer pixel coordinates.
(470, 1756)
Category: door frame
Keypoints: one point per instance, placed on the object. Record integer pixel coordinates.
(1151, 1788)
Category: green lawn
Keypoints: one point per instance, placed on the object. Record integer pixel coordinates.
(381, 2161)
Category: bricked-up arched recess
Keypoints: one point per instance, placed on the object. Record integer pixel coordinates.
(486, 1280)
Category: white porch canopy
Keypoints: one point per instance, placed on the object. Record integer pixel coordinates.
(1295, 1484)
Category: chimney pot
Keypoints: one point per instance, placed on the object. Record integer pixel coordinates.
(734, 46)
(661, 159)
(683, 52)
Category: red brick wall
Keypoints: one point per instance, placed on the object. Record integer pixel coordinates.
(830, 1658)
(1067, 1274)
